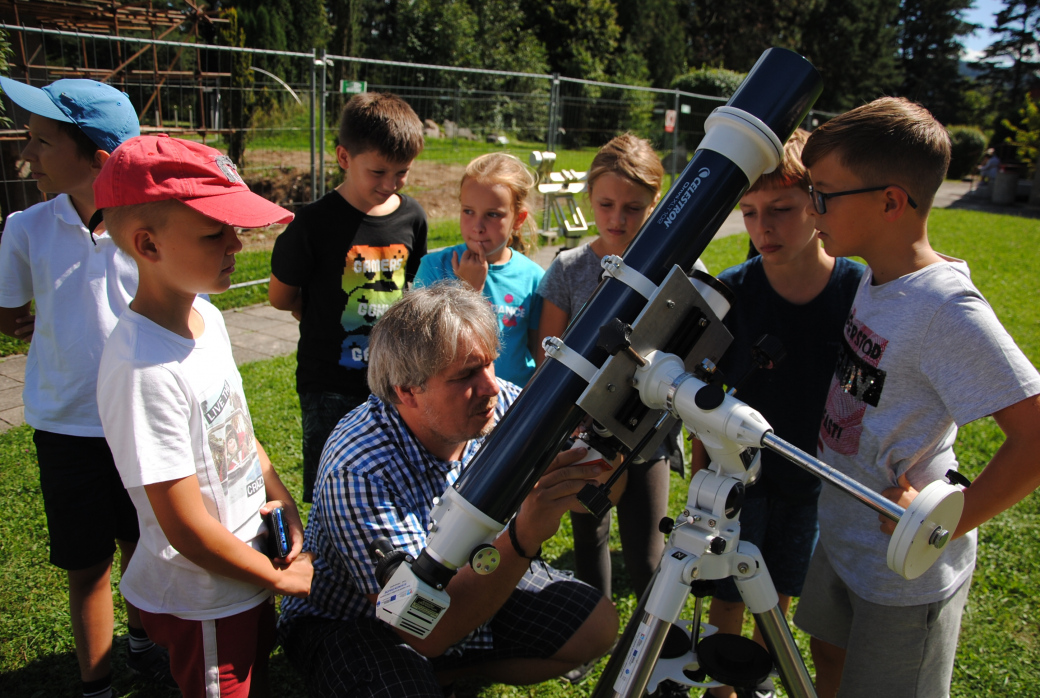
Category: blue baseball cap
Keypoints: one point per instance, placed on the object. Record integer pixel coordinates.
(99, 110)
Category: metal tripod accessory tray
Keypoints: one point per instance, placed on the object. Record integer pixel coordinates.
(924, 529)
(677, 320)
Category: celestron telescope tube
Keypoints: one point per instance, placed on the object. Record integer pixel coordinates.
(777, 93)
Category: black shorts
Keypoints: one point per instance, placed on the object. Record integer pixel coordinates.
(87, 507)
(365, 657)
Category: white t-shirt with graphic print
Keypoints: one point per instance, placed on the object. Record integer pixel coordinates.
(174, 408)
(922, 355)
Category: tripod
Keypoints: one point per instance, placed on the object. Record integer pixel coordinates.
(704, 546)
(704, 542)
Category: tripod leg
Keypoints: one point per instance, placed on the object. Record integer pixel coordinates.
(605, 685)
(633, 661)
(760, 596)
(777, 635)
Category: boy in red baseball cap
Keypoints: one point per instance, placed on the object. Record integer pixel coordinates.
(176, 419)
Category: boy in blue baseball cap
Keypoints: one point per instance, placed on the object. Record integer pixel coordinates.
(81, 286)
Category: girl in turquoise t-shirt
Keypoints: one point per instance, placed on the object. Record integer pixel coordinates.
(493, 194)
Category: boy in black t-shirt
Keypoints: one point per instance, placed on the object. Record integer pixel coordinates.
(345, 259)
(796, 292)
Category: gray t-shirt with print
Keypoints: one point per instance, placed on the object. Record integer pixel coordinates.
(921, 355)
(573, 277)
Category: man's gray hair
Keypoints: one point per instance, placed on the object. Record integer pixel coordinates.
(420, 335)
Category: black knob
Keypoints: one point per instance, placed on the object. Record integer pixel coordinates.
(717, 546)
(709, 397)
(595, 499)
(614, 336)
(768, 352)
(666, 525)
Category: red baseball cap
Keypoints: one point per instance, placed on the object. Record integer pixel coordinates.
(146, 169)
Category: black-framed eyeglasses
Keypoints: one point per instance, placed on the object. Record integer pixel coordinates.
(819, 199)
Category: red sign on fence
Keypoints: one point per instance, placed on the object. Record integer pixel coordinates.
(669, 120)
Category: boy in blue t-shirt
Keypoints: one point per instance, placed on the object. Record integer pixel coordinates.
(345, 259)
(797, 293)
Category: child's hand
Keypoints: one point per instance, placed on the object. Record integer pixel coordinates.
(295, 579)
(292, 518)
(472, 268)
(901, 495)
(27, 327)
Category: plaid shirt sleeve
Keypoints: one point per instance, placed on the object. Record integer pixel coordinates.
(374, 480)
(361, 507)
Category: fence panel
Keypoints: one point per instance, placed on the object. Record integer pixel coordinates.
(276, 112)
(229, 98)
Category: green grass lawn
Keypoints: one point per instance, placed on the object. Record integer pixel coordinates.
(1000, 643)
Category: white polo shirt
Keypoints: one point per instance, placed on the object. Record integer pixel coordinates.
(80, 290)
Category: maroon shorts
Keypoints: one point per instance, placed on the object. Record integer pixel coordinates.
(218, 657)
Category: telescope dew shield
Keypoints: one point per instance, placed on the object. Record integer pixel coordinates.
(776, 95)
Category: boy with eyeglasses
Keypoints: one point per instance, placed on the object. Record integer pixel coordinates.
(922, 354)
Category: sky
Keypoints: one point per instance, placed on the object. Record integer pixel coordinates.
(982, 13)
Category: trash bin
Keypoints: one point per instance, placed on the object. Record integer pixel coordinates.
(1005, 187)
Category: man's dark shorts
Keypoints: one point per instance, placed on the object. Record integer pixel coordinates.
(86, 505)
(368, 658)
(786, 534)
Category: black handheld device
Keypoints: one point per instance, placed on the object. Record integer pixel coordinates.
(278, 542)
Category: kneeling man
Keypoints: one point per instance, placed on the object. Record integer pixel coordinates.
(434, 398)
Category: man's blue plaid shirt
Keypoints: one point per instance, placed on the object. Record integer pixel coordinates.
(375, 479)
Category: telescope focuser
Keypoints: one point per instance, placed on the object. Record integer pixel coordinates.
(390, 558)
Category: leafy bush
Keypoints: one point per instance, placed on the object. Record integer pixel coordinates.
(1026, 135)
(969, 142)
(714, 82)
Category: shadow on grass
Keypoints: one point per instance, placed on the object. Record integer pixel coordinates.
(57, 675)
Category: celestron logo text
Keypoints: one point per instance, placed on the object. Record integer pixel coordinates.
(684, 196)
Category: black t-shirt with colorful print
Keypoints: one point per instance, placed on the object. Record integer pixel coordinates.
(351, 267)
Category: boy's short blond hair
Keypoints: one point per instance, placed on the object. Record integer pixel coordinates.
(790, 172)
(382, 122)
(120, 221)
(889, 141)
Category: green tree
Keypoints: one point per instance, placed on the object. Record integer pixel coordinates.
(713, 82)
(283, 25)
(240, 103)
(502, 40)
(734, 34)
(854, 45)
(579, 35)
(1011, 63)
(1025, 133)
(6, 53)
(929, 53)
(657, 30)
(439, 32)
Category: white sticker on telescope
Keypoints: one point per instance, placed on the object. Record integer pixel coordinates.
(683, 197)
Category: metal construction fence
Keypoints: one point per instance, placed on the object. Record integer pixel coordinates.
(276, 112)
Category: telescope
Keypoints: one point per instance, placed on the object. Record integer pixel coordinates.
(660, 371)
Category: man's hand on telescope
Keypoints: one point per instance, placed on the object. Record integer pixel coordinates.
(554, 493)
(901, 495)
